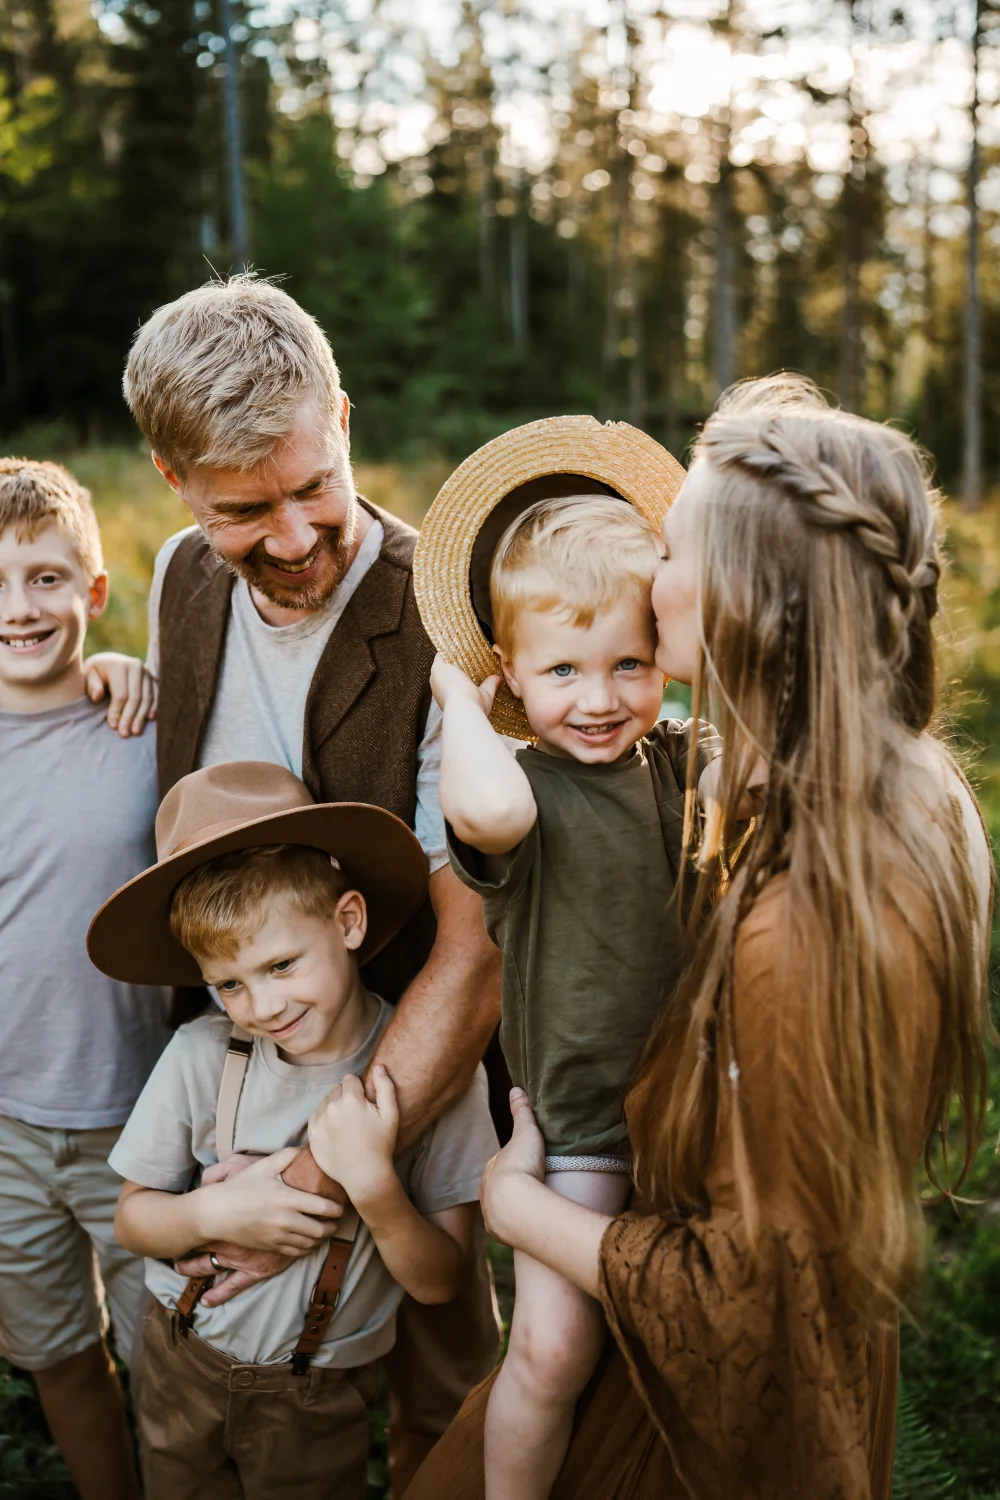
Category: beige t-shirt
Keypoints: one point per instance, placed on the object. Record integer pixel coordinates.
(170, 1137)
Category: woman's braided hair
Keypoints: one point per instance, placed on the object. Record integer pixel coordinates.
(818, 578)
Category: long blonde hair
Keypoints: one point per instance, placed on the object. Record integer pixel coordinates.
(818, 569)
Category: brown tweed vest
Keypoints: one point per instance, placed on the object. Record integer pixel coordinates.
(367, 705)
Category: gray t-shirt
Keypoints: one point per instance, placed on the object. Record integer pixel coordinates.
(259, 706)
(171, 1136)
(76, 822)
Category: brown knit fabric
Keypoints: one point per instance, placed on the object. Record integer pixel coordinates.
(367, 706)
(758, 1378)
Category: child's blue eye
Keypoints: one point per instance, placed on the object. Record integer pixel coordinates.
(629, 664)
(282, 965)
(226, 986)
(563, 670)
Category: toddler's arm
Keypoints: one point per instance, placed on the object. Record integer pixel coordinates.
(485, 795)
(254, 1209)
(353, 1140)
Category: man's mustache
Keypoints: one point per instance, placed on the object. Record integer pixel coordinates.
(327, 541)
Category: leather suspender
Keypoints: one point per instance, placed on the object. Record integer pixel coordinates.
(326, 1293)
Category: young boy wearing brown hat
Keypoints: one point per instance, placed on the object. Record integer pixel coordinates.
(275, 900)
(76, 819)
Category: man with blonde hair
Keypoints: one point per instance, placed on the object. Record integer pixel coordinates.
(283, 628)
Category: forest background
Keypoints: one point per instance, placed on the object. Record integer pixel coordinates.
(510, 210)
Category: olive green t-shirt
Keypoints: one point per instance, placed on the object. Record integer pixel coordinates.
(585, 915)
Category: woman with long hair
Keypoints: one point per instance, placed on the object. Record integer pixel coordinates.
(833, 1009)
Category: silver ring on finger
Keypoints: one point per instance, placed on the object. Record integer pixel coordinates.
(216, 1262)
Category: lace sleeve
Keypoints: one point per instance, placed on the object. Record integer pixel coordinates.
(752, 1369)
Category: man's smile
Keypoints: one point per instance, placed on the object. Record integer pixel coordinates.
(293, 568)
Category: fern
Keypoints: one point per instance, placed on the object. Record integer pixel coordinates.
(922, 1472)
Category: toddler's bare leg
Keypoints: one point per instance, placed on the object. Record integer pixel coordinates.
(555, 1340)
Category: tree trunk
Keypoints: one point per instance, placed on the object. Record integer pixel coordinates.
(725, 271)
(850, 382)
(973, 444)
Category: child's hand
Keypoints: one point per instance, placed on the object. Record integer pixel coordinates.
(354, 1140)
(131, 688)
(256, 1209)
(448, 681)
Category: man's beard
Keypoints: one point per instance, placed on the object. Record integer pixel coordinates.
(257, 570)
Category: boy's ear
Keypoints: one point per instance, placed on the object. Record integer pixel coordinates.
(98, 596)
(507, 670)
(352, 914)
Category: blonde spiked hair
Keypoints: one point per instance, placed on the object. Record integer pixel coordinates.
(216, 378)
(579, 553)
(818, 568)
(35, 494)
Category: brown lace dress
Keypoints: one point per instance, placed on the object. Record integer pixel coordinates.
(733, 1380)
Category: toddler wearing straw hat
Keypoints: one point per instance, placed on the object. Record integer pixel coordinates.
(574, 843)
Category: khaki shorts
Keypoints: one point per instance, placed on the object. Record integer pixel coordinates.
(60, 1264)
(213, 1429)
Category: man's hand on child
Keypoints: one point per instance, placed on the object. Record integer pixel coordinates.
(243, 1268)
(523, 1156)
(131, 689)
(255, 1209)
(353, 1138)
(448, 682)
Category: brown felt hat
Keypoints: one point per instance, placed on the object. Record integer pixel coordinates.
(540, 461)
(240, 805)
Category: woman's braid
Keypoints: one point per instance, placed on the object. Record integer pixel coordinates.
(826, 501)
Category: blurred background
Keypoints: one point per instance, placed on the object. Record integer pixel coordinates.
(511, 210)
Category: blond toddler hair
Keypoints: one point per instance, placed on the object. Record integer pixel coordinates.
(580, 553)
(35, 494)
(217, 377)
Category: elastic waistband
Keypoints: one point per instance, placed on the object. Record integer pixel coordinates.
(620, 1163)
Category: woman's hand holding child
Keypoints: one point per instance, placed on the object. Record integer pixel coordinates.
(522, 1160)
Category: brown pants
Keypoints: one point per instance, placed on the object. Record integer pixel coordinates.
(213, 1429)
(440, 1354)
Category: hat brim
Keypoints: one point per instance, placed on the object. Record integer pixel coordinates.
(614, 454)
(130, 938)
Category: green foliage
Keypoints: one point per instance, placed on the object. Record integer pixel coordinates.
(921, 1472)
(30, 1467)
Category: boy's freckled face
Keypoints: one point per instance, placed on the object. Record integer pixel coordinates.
(295, 980)
(589, 691)
(46, 601)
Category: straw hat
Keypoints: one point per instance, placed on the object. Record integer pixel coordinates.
(540, 461)
(240, 805)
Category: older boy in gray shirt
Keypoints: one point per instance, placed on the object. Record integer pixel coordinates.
(76, 820)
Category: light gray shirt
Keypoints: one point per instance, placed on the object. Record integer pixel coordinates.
(76, 822)
(171, 1135)
(258, 712)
